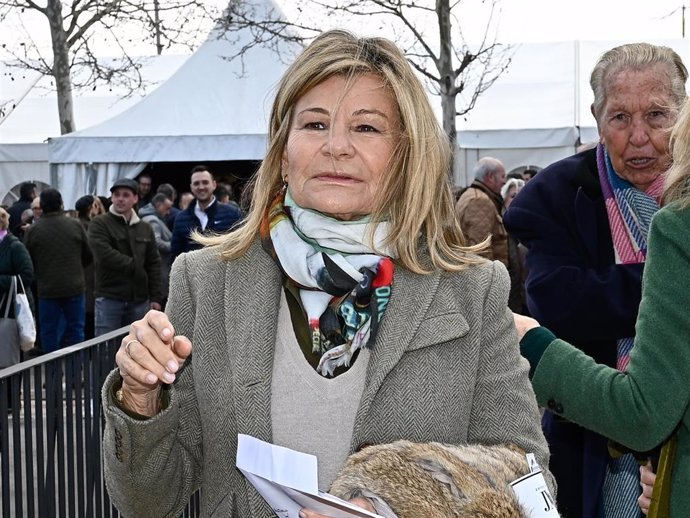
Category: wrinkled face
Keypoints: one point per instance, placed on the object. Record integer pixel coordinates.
(635, 122)
(123, 200)
(202, 186)
(496, 180)
(341, 141)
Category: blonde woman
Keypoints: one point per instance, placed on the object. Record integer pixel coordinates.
(345, 311)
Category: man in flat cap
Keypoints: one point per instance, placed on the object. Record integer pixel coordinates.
(127, 263)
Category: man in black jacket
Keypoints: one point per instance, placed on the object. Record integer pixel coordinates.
(59, 250)
(204, 214)
(128, 266)
(27, 192)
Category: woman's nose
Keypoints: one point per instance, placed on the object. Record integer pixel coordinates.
(339, 143)
(639, 135)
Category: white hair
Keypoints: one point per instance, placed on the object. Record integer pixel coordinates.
(512, 182)
(486, 166)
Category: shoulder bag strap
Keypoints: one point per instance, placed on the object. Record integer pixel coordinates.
(10, 295)
(21, 283)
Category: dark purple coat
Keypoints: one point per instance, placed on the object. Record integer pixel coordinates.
(575, 288)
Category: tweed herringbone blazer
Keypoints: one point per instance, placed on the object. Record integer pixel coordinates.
(445, 367)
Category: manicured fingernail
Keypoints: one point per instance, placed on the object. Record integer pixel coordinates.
(151, 378)
(302, 515)
(167, 333)
(168, 377)
(172, 366)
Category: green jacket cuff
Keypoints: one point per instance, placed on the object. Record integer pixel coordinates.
(534, 344)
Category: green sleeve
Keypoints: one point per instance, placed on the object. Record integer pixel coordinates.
(534, 344)
(641, 407)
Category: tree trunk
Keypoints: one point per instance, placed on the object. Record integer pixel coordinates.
(447, 74)
(61, 67)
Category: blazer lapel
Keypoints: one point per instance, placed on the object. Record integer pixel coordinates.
(251, 325)
(410, 300)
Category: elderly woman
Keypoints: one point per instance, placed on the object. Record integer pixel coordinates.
(584, 221)
(651, 401)
(333, 318)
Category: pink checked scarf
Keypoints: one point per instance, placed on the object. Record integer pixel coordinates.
(630, 212)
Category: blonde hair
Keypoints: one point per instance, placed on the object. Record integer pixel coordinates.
(4, 219)
(99, 205)
(677, 186)
(637, 56)
(416, 202)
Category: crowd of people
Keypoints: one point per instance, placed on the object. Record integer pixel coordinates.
(101, 266)
(332, 317)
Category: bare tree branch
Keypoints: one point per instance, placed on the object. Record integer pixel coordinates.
(74, 25)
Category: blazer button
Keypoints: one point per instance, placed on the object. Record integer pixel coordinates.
(551, 403)
(558, 409)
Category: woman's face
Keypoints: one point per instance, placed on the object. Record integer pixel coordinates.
(510, 196)
(340, 145)
(635, 123)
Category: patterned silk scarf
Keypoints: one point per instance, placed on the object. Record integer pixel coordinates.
(344, 285)
(630, 212)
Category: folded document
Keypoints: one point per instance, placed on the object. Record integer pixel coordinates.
(288, 480)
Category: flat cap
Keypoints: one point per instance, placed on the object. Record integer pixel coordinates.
(126, 182)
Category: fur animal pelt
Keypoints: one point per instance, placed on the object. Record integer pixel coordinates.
(432, 480)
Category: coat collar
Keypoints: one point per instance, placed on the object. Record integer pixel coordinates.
(494, 197)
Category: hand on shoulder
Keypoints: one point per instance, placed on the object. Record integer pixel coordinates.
(524, 324)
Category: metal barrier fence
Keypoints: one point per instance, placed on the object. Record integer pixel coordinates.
(51, 428)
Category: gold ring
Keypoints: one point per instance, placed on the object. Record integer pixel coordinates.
(128, 344)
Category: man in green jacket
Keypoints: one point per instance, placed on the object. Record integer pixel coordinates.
(127, 272)
(59, 250)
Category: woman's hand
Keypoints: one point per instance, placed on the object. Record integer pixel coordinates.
(524, 324)
(149, 355)
(647, 479)
(361, 502)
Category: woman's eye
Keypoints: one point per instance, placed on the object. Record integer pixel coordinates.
(367, 128)
(314, 125)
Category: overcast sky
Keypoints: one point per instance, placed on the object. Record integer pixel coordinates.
(517, 20)
(558, 20)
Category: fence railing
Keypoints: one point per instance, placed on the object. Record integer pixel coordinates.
(51, 429)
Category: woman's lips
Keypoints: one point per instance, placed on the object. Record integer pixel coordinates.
(640, 163)
(338, 178)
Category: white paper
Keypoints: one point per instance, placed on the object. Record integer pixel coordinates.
(288, 480)
(533, 494)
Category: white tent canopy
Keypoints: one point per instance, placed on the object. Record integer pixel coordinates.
(29, 116)
(212, 109)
